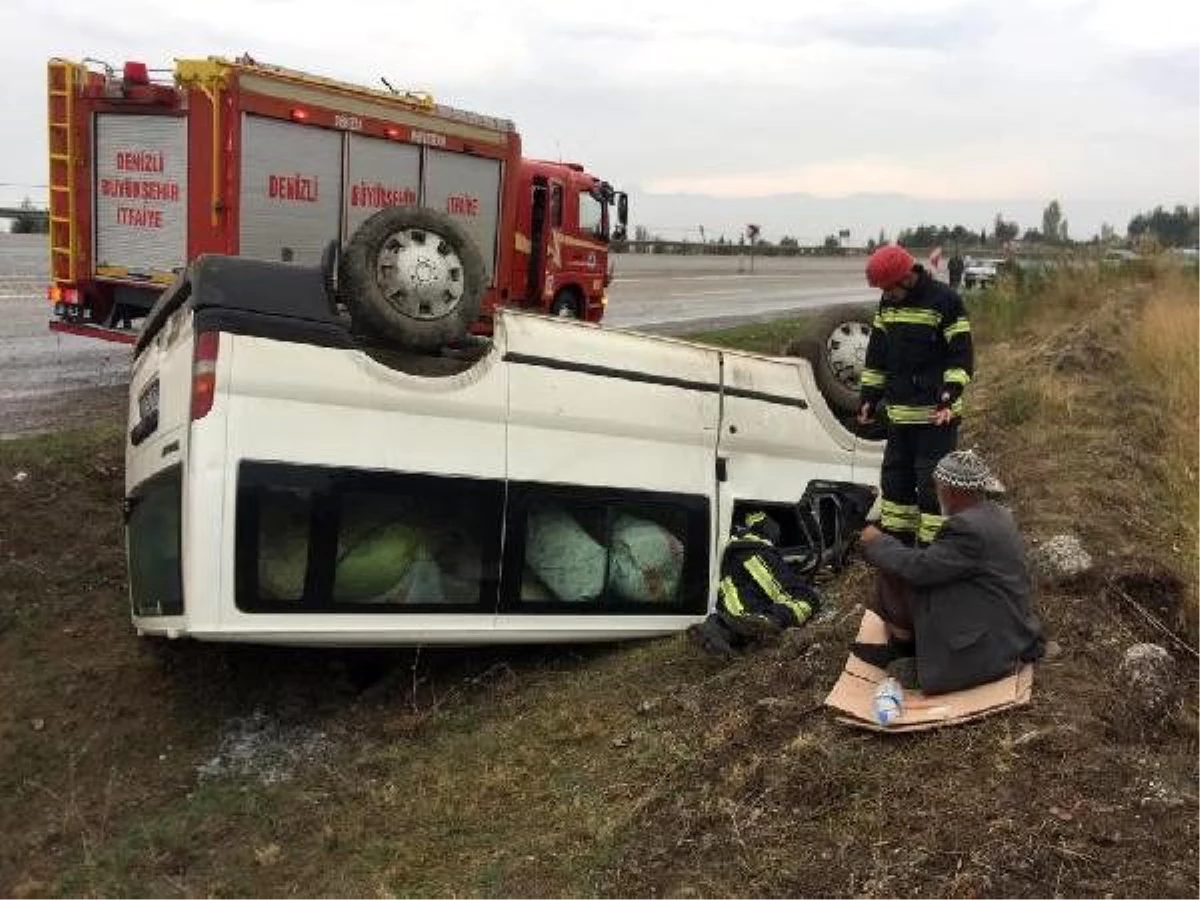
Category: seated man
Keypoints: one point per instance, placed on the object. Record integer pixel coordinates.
(964, 617)
(760, 593)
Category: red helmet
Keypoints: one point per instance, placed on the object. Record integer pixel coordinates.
(888, 265)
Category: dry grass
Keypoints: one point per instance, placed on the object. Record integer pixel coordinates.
(1166, 357)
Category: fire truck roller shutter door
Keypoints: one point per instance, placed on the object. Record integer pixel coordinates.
(141, 166)
(467, 188)
(412, 276)
(291, 191)
(379, 173)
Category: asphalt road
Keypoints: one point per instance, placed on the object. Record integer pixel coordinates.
(689, 293)
(49, 380)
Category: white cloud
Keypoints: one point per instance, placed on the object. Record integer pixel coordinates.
(943, 99)
(1147, 25)
(986, 178)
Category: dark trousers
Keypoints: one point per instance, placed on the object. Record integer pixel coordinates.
(891, 599)
(910, 505)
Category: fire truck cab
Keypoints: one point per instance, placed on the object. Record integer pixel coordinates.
(242, 158)
(562, 238)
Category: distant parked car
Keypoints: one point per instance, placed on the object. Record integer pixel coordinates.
(1118, 256)
(981, 272)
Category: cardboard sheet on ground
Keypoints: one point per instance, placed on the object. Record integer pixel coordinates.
(853, 694)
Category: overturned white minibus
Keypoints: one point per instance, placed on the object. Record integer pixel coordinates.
(289, 482)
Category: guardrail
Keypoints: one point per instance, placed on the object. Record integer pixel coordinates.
(13, 212)
(693, 248)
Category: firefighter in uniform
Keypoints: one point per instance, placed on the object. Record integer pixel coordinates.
(759, 594)
(919, 359)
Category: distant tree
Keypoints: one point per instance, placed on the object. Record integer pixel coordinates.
(1032, 236)
(832, 242)
(1052, 222)
(1064, 232)
(871, 245)
(1005, 231)
(1108, 234)
(1177, 228)
(788, 241)
(882, 238)
(924, 236)
(29, 220)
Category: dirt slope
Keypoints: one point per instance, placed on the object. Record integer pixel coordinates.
(642, 770)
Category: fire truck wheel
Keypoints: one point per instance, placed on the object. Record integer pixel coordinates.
(836, 347)
(412, 277)
(566, 304)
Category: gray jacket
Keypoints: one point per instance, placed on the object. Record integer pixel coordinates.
(971, 598)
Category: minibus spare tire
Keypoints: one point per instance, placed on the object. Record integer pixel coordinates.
(835, 345)
(411, 277)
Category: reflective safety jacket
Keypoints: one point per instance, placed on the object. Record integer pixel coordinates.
(757, 581)
(920, 354)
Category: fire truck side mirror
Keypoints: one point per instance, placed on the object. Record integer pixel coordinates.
(622, 213)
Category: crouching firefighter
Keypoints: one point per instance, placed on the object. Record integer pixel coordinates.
(760, 593)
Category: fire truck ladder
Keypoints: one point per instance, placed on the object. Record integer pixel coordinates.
(63, 77)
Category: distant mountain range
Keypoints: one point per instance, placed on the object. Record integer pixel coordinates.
(810, 218)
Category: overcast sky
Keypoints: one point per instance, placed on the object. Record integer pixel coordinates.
(938, 107)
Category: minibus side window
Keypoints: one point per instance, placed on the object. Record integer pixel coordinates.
(284, 515)
(320, 540)
(582, 550)
(402, 547)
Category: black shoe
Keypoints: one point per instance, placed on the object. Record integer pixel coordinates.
(880, 655)
(709, 638)
(877, 655)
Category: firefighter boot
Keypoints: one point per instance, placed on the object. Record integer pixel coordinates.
(710, 637)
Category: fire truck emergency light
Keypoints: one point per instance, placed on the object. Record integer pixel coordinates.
(136, 73)
(393, 133)
(300, 115)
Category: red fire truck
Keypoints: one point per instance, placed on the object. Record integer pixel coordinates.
(239, 157)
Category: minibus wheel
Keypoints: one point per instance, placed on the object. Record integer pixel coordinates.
(412, 277)
(835, 345)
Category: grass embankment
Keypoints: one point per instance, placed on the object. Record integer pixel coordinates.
(1091, 380)
(640, 770)
(1169, 357)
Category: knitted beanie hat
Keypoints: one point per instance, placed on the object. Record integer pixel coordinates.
(966, 471)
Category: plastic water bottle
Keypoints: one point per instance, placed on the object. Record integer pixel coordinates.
(889, 701)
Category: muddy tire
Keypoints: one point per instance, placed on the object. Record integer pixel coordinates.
(412, 277)
(836, 348)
